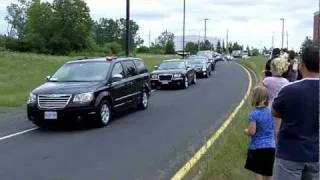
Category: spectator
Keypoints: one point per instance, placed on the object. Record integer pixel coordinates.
(284, 53)
(276, 81)
(292, 73)
(261, 153)
(298, 106)
(275, 54)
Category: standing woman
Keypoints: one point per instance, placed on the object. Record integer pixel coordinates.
(275, 54)
(292, 74)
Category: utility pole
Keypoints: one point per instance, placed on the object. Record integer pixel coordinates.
(184, 28)
(282, 19)
(127, 27)
(227, 45)
(149, 38)
(205, 29)
(287, 40)
(272, 45)
(199, 42)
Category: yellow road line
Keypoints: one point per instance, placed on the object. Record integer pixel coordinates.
(196, 157)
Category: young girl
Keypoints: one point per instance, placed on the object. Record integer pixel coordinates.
(261, 153)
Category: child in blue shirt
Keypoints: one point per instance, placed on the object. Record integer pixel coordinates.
(261, 153)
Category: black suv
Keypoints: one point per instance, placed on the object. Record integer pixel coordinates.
(90, 89)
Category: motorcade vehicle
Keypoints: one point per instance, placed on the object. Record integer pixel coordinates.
(90, 89)
(201, 65)
(209, 55)
(174, 72)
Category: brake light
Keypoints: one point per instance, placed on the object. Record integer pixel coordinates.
(110, 58)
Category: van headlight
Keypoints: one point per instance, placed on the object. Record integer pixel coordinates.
(32, 98)
(83, 98)
(154, 76)
(177, 76)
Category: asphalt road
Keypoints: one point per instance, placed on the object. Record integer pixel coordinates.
(141, 145)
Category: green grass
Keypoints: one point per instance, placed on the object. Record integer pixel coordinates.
(22, 72)
(225, 160)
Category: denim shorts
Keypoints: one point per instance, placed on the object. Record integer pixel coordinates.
(290, 170)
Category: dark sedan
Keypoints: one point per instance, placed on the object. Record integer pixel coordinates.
(174, 72)
(209, 55)
(202, 66)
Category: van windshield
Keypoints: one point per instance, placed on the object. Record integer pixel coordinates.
(81, 72)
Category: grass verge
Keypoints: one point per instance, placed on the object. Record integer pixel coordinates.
(225, 160)
(22, 72)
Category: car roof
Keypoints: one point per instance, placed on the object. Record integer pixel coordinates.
(198, 56)
(172, 60)
(101, 59)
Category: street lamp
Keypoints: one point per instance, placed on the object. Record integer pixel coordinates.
(205, 29)
(282, 19)
(127, 27)
(184, 28)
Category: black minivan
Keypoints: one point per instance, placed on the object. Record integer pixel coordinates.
(91, 89)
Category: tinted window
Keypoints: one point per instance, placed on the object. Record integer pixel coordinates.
(131, 68)
(84, 71)
(172, 65)
(118, 69)
(140, 66)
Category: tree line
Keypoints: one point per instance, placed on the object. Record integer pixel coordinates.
(64, 27)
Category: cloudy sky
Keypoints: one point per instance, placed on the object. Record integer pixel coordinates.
(250, 22)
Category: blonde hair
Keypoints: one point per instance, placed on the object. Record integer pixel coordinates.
(279, 66)
(260, 97)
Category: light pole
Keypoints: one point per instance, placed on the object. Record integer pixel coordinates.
(272, 45)
(282, 19)
(205, 29)
(127, 27)
(227, 45)
(184, 28)
(287, 40)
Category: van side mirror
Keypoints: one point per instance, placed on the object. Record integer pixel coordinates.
(116, 78)
(48, 78)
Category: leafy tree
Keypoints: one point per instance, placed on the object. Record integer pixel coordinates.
(106, 30)
(255, 52)
(38, 29)
(134, 39)
(166, 42)
(72, 24)
(17, 17)
(248, 49)
(236, 46)
(143, 49)
(206, 45)
(192, 47)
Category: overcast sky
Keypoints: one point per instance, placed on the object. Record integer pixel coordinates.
(250, 22)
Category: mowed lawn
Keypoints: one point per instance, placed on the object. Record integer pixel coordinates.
(225, 159)
(22, 72)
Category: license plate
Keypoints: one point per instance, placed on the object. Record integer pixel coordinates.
(50, 115)
(164, 82)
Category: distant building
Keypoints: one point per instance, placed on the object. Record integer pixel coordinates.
(316, 27)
